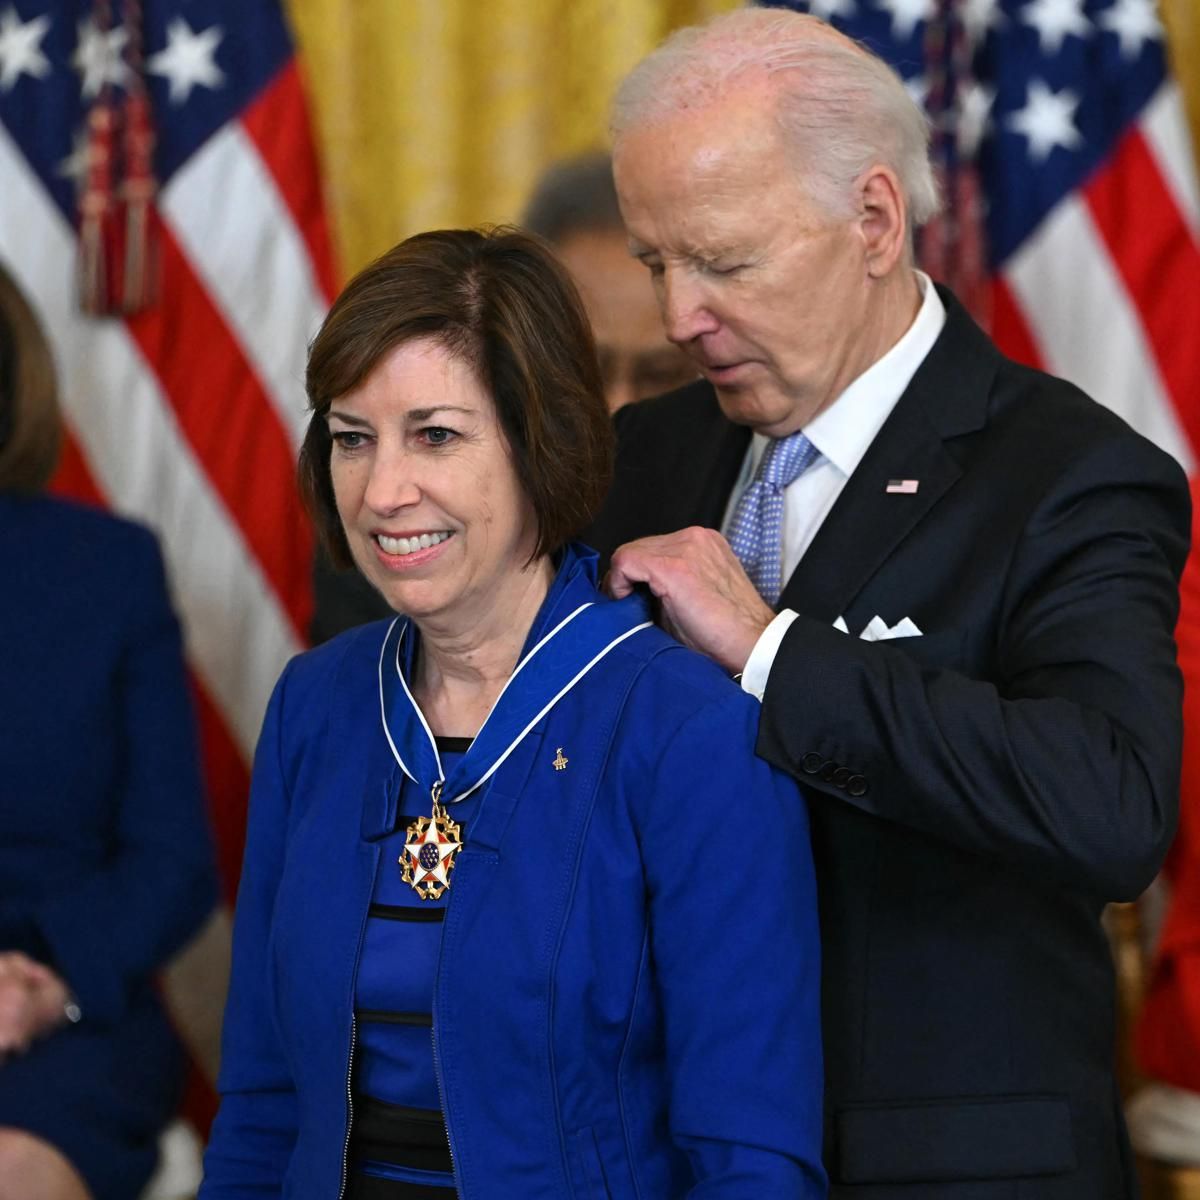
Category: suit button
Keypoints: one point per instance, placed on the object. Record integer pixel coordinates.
(856, 785)
(811, 763)
(841, 776)
(828, 771)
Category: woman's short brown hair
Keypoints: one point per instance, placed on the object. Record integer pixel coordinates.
(499, 299)
(30, 425)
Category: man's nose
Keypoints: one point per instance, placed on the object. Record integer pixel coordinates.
(685, 310)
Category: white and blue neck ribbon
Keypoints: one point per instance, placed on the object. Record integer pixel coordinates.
(546, 673)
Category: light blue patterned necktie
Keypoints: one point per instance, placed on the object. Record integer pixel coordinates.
(756, 531)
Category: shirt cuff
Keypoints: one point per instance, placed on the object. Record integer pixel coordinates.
(762, 657)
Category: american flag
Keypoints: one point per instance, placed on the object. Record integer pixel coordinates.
(1065, 153)
(186, 415)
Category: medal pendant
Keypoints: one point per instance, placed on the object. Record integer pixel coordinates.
(430, 850)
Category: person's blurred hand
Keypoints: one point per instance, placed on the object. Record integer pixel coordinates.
(32, 1002)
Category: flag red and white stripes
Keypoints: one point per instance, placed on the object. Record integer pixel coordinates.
(1106, 292)
(188, 415)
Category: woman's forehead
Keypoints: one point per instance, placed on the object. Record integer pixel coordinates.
(415, 378)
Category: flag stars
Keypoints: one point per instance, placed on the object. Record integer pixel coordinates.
(187, 60)
(907, 15)
(1047, 120)
(21, 48)
(74, 166)
(1135, 22)
(917, 86)
(99, 57)
(1055, 20)
(974, 117)
(979, 17)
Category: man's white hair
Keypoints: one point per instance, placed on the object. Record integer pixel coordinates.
(840, 107)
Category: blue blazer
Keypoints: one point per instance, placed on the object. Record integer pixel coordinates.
(105, 859)
(106, 864)
(626, 1002)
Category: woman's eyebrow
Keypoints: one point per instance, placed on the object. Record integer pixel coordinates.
(424, 414)
(349, 420)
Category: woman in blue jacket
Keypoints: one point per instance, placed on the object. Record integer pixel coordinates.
(520, 915)
(105, 860)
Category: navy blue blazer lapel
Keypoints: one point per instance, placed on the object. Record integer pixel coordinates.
(946, 398)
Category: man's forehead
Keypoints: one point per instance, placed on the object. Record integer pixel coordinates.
(709, 173)
(739, 120)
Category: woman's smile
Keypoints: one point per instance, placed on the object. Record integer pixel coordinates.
(408, 549)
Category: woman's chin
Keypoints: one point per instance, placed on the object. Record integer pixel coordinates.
(421, 600)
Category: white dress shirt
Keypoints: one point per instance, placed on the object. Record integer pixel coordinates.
(842, 433)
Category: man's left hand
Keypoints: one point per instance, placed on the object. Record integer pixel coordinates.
(707, 600)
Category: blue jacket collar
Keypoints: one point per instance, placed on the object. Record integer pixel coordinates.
(575, 583)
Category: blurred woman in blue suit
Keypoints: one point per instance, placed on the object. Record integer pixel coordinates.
(521, 914)
(105, 861)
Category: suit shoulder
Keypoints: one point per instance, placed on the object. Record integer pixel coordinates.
(1055, 405)
(95, 531)
(52, 545)
(1070, 427)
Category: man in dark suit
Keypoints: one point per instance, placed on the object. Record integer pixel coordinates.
(954, 590)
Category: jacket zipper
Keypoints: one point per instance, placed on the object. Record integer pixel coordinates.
(437, 1074)
(437, 1062)
(349, 1108)
(362, 924)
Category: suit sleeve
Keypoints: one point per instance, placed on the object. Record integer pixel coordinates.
(255, 1129)
(1064, 760)
(733, 922)
(120, 923)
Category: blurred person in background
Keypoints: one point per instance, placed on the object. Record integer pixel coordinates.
(574, 207)
(507, 926)
(105, 860)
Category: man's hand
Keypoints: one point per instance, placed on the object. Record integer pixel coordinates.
(32, 1000)
(707, 600)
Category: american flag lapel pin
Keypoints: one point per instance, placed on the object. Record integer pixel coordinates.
(902, 487)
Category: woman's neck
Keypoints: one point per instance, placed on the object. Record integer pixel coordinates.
(463, 667)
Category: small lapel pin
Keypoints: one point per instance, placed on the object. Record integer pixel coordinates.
(560, 762)
(902, 487)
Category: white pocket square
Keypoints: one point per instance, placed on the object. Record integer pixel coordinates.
(878, 630)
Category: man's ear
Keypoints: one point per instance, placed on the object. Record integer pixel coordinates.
(883, 220)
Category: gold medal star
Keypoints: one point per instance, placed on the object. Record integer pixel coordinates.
(429, 853)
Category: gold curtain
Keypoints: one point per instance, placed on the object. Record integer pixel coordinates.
(443, 112)
(1182, 18)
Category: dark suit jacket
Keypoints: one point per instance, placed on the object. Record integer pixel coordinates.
(980, 792)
